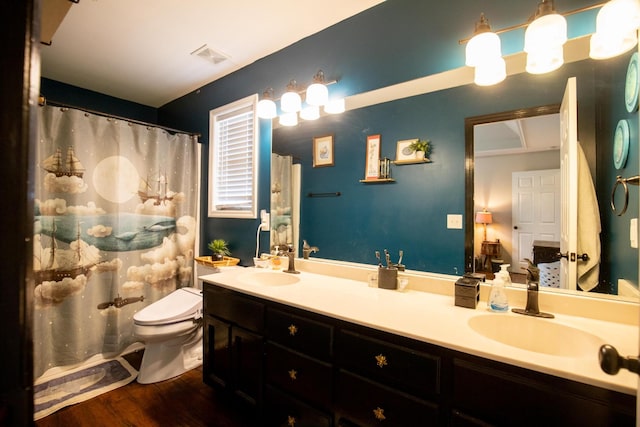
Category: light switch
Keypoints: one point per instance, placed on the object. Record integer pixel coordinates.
(454, 221)
(633, 232)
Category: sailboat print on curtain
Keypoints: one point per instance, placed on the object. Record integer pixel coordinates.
(105, 245)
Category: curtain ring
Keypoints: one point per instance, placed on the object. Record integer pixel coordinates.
(635, 180)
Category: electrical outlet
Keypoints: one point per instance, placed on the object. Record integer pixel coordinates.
(633, 232)
(454, 221)
(265, 220)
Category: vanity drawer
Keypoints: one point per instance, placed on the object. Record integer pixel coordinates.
(300, 375)
(234, 308)
(282, 410)
(402, 367)
(299, 333)
(363, 402)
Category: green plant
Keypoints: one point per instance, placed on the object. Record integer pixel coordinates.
(219, 247)
(420, 145)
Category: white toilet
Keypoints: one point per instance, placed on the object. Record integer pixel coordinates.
(171, 329)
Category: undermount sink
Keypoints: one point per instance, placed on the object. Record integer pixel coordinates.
(535, 334)
(269, 278)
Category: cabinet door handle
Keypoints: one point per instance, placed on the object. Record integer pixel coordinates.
(379, 414)
(293, 374)
(381, 360)
(291, 421)
(293, 330)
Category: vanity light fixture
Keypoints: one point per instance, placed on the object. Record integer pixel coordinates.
(310, 112)
(317, 92)
(484, 52)
(544, 39)
(291, 102)
(484, 218)
(335, 106)
(267, 106)
(546, 32)
(288, 119)
(616, 29)
(316, 95)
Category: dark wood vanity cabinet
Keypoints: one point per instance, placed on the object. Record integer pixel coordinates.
(300, 369)
(233, 343)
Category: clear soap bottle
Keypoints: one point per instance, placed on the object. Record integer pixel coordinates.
(498, 301)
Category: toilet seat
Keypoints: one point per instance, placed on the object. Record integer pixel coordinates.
(149, 333)
(181, 305)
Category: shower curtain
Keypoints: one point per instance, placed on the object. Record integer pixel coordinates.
(281, 200)
(114, 230)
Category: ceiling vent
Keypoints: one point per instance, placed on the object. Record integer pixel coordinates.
(210, 55)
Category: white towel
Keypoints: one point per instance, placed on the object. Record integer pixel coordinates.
(588, 226)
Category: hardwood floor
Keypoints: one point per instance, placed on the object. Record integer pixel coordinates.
(181, 401)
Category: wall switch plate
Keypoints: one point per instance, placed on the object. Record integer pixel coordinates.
(633, 232)
(454, 221)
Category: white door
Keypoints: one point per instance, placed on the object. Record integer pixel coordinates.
(569, 181)
(535, 212)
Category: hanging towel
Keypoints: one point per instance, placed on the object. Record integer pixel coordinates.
(588, 226)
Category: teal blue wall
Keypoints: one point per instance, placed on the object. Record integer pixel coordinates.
(55, 91)
(396, 41)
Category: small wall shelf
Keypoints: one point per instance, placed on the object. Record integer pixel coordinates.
(377, 180)
(410, 162)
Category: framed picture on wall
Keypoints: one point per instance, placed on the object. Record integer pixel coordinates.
(323, 151)
(404, 151)
(372, 163)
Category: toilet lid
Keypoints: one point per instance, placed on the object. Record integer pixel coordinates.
(179, 305)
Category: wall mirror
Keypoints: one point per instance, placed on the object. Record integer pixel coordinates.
(523, 146)
(441, 104)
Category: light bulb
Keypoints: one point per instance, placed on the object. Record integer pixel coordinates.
(335, 106)
(288, 119)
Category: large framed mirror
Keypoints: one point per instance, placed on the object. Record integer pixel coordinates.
(503, 147)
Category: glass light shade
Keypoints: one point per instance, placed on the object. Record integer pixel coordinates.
(546, 32)
(481, 47)
(267, 109)
(290, 102)
(317, 94)
(335, 106)
(310, 112)
(288, 119)
(491, 72)
(616, 29)
(541, 62)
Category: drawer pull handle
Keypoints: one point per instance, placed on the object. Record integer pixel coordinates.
(293, 330)
(381, 361)
(379, 414)
(293, 374)
(291, 421)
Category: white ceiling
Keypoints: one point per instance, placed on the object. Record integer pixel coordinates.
(538, 133)
(140, 50)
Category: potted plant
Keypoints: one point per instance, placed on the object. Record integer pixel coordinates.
(420, 147)
(220, 249)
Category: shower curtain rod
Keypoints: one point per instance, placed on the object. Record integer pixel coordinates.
(44, 101)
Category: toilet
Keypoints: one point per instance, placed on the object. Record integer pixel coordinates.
(171, 329)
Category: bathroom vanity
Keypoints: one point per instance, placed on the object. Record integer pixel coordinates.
(316, 350)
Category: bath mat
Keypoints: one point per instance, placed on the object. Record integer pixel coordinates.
(69, 386)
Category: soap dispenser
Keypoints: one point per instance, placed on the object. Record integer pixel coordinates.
(498, 296)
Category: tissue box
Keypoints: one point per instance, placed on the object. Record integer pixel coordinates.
(467, 292)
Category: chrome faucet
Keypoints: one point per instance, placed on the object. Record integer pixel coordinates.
(532, 308)
(292, 255)
(306, 249)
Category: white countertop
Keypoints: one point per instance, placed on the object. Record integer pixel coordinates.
(433, 318)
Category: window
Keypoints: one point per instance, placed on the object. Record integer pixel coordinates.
(233, 160)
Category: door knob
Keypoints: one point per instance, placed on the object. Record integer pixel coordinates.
(611, 361)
